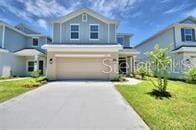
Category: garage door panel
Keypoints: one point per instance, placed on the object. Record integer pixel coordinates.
(80, 68)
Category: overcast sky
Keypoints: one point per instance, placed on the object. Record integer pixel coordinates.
(142, 18)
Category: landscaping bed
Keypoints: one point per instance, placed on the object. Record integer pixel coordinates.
(175, 112)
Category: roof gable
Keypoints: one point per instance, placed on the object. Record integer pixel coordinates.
(189, 20)
(87, 11)
(25, 29)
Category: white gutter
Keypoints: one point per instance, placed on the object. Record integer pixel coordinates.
(85, 48)
(83, 55)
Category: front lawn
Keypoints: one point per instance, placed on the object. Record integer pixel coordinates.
(12, 88)
(175, 113)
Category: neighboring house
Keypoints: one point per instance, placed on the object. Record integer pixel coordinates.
(20, 50)
(86, 45)
(181, 36)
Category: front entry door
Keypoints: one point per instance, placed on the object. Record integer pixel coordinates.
(41, 66)
(122, 65)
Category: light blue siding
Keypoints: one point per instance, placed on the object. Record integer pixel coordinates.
(84, 31)
(126, 40)
(12, 65)
(14, 41)
(41, 41)
(112, 33)
(56, 33)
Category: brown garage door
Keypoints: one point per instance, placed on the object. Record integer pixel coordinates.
(80, 68)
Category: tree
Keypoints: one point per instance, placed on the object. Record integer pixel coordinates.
(160, 60)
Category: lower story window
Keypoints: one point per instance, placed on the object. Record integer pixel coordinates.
(94, 35)
(30, 66)
(74, 35)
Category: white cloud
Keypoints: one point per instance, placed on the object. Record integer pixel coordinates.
(177, 8)
(108, 7)
(43, 8)
(18, 12)
(37, 11)
(191, 12)
(137, 14)
(165, 1)
(42, 23)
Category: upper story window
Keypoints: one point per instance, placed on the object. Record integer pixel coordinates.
(84, 17)
(74, 31)
(188, 34)
(35, 41)
(120, 40)
(94, 31)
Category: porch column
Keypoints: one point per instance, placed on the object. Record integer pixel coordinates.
(130, 64)
(36, 62)
(133, 64)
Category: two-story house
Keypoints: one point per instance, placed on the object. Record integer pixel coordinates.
(20, 50)
(86, 45)
(181, 36)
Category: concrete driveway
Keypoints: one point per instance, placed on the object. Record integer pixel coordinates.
(70, 106)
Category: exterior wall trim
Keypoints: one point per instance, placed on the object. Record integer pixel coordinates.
(3, 37)
(108, 33)
(60, 33)
(52, 32)
(174, 37)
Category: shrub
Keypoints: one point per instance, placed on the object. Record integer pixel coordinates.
(32, 83)
(132, 75)
(36, 73)
(142, 71)
(121, 78)
(190, 75)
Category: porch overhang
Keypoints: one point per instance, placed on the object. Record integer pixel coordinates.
(128, 52)
(82, 48)
(29, 52)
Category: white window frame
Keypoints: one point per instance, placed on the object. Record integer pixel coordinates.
(93, 31)
(188, 34)
(37, 40)
(84, 15)
(75, 31)
(31, 66)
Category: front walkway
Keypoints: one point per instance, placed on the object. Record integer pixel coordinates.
(72, 106)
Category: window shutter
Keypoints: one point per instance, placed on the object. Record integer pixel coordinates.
(182, 34)
(193, 30)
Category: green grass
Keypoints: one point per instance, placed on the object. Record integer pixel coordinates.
(175, 113)
(9, 89)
